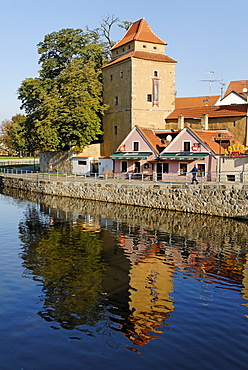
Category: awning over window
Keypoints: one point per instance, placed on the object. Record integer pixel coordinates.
(182, 157)
(131, 155)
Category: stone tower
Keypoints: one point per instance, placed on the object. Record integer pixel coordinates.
(138, 85)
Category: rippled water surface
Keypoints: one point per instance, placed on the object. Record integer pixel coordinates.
(86, 285)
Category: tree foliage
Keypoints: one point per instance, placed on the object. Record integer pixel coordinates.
(64, 104)
(12, 134)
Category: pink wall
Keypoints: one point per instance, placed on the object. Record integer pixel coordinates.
(135, 136)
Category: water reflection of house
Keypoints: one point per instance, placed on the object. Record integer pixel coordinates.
(245, 282)
(87, 222)
(150, 287)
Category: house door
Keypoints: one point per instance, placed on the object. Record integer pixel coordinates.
(159, 171)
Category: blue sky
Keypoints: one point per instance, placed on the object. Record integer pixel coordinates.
(201, 36)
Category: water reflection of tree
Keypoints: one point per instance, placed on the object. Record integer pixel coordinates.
(68, 261)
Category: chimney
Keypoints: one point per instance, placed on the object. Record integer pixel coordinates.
(204, 121)
(180, 122)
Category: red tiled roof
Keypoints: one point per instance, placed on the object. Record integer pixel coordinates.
(139, 31)
(211, 138)
(142, 55)
(199, 101)
(80, 156)
(153, 139)
(237, 110)
(236, 86)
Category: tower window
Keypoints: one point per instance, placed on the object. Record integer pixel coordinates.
(111, 77)
(155, 73)
(149, 97)
(115, 130)
(155, 47)
(116, 100)
(121, 74)
(144, 46)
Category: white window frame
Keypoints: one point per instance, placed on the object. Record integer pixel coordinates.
(122, 164)
(179, 168)
(187, 141)
(138, 146)
(134, 168)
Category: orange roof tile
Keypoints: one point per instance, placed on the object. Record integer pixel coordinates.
(199, 101)
(80, 156)
(139, 31)
(211, 138)
(142, 55)
(236, 86)
(237, 110)
(150, 135)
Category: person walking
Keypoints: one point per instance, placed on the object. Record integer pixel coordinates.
(194, 174)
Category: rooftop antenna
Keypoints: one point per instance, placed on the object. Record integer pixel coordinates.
(210, 80)
(222, 88)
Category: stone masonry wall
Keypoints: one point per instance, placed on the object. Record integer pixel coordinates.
(218, 200)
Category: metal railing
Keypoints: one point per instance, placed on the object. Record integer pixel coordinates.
(222, 177)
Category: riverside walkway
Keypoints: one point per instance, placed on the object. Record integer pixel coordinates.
(219, 198)
(209, 178)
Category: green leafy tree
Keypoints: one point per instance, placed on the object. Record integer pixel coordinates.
(64, 104)
(12, 134)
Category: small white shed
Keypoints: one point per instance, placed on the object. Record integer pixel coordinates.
(105, 165)
(81, 165)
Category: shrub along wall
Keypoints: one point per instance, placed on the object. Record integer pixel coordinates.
(218, 200)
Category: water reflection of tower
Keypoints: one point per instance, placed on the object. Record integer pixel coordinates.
(150, 287)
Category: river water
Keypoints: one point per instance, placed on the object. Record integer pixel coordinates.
(91, 285)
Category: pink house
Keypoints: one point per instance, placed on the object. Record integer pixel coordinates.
(164, 152)
(139, 151)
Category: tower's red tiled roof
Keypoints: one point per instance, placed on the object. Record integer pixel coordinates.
(237, 110)
(199, 101)
(142, 55)
(237, 86)
(139, 31)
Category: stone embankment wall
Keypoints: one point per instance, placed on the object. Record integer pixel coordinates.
(218, 200)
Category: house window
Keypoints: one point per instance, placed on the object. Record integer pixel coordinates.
(82, 163)
(111, 77)
(123, 49)
(165, 167)
(121, 74)
(149, 98)
(155, 73)
(183, 169)
(136, 167)
(144, 46)
(146, 166)
(135, 146)
(116, 100)
(123, 166)
(155, 47)
(115, 130)
(186, 146)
